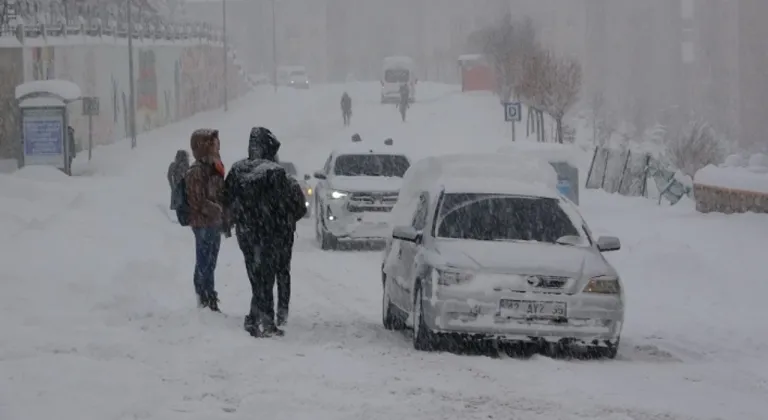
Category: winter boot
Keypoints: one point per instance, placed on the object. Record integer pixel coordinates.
(213, 302)
(271, 330)
(282, 317)
(201, 302)
(251, 326)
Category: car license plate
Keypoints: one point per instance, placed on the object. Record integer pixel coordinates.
(529, 308)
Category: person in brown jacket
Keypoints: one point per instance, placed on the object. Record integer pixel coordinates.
(205, 190)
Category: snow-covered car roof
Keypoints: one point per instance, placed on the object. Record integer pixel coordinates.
(506, 174)
(368, 147)
(496, 185)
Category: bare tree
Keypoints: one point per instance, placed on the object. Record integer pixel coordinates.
(561, 87)
(530, 86)
(695, 149)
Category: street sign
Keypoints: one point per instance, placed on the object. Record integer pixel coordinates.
(513, 112)
(91, 106)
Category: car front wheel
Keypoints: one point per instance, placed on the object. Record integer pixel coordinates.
(388, 316)
(423, 338)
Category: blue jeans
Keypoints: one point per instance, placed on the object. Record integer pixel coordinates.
(207, 243)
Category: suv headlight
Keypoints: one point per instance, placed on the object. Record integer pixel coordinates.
(603, 285)
(451, 277)
(338, 194)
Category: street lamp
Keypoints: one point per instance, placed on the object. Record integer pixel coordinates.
(131, 87)
(226, 58)
(274, 47)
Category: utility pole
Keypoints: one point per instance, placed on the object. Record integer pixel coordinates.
(274, 47)
(226, 56)
(131, 96)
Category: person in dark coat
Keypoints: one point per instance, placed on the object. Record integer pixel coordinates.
(176, 171)
(265, 203)
(207, 218)
(346, 108)
(405, 100)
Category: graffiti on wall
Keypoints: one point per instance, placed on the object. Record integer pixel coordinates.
(146, 90)
(11, 74)
(43, 60)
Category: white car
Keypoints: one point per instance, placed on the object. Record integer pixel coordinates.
(356, 190)
(494, 257)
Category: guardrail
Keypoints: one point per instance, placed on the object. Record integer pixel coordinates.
(54, 18)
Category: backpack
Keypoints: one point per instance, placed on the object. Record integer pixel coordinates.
(180, 196)
(266, 202)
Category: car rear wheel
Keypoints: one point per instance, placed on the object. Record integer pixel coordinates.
(388, 317)
(423, 338)
(609, 352)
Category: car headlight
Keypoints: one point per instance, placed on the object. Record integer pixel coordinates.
(603, 285)
(451, 277)
(338, 194)
(309, 191)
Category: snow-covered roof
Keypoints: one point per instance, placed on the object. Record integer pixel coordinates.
(63, 89)
(496, 185)
(470, 57)
(398, 58)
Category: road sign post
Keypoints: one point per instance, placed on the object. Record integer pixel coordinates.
(513, 113)
(90, 109)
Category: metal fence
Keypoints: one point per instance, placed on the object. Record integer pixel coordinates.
(40, 18)
(627, 172)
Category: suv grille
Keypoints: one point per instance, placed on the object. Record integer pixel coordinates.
(371, 201)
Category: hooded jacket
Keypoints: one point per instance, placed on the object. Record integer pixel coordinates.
(178, 168)
(205, 181)
(263, 199)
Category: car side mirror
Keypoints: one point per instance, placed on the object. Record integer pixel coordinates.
(307, 177)
(608, 243)
(406, 233)
(320, 175)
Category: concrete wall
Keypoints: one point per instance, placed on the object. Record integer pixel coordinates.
(727, 200)
(173, 81)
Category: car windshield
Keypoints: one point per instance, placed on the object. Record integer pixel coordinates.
(289, 167)
(497, 217)
(298, 73)
(396, 75)
(371, 165)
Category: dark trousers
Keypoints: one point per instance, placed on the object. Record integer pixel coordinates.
(267, 261)
(207, 244)
(346, 115)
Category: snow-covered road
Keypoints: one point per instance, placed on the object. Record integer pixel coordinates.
(98, 319)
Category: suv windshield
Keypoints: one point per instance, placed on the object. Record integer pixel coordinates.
(289, 167)
(496, 217)
(371, 165)
(396, 75)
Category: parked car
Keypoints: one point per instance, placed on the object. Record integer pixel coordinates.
(498, 258)
(304, 182)
(356, 190)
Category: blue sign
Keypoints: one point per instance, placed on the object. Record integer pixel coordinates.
(43, 132)
(513, 111)
(564, 186)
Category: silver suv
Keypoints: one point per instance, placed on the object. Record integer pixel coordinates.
(355, 193)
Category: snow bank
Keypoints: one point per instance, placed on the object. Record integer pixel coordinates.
(737, 174)
(739, 185)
